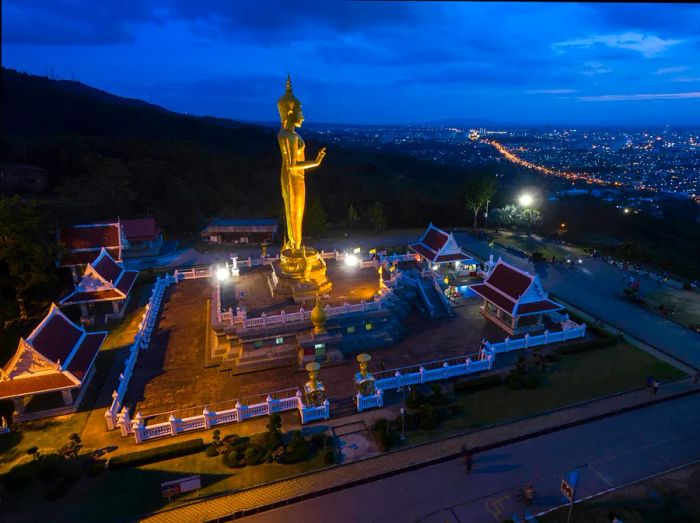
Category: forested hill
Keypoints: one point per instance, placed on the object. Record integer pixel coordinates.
(106, 156)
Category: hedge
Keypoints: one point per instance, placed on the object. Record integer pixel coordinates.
(134, 459)
(586, 346)
(482, 382)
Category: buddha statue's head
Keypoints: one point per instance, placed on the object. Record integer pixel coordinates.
(290, 108)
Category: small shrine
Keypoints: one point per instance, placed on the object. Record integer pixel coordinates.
(104, 280)
(314, 391)
(364, 380)
(514, 299)
(57, 357)
(437, 248)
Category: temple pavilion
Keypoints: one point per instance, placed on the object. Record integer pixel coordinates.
(57, 357)
(103, 280)
(437, 248)
(514, 299)
(82, 243)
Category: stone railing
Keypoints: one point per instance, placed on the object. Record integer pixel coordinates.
(545, 338)
(144, 431)
(194, 273)
(141, 342)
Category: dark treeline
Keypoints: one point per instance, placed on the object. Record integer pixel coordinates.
(106, 156)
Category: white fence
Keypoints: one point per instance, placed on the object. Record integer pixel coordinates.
(141, 341)
(451, 368)
(542, 339)
(208, 418)
(193, 273)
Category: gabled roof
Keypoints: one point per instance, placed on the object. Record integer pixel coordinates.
(140, 229)
(58, 354)
(515, 291)
(438, 246)
(103, 280)
(83, 242)
(241, 224)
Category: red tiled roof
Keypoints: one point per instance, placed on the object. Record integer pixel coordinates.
(90, 296)
(126, 282)
(538, 306)
(494, 297)
(140, 229)
(56, 338)
(85, 257)
(451, 257)
(83, 359)
(508, 280)
(423, 251)
(35, 384)
(107, 268)
(87, 237)
(435, 239)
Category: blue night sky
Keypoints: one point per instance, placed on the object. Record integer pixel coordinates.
(374, 62)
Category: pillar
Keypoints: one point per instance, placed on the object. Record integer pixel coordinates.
(67, 397)
(19, 405)
(115, 306)
(84, 310)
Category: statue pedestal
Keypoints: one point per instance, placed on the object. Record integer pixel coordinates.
(302, 275)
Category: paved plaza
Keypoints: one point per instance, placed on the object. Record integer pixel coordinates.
(170, 375)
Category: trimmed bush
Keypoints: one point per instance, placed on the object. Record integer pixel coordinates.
(329, 456)
(134, 459)
(270, 440)
(296, 452)
(428, 418)
(254, 455)
(380, 425)
(211, 451)
(483, 382)
(586, 346)
(384, 440)
(242, 441)
(234, 459)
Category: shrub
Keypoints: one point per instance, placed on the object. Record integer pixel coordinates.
(254, 455)
(329, 456)
(384, 440)
(443, 412)
(483, 382)
(380, 425)
(586, 346)
(58, 490)
(428, 418)
(51, 466)
(242, 441)
(274, 423)
(455, 409)
(530, 382)
(537, 256)
(415, 400)
(514, 380)
(20, 475)
(234, 459)
(297, 451)
(183, 448)
(211, 451)
(270, 440)
(94, 467)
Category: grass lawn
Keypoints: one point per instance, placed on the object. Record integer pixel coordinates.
(118, 495)
(668, 498)
(685, 303)
(530, 243)
(572, 379)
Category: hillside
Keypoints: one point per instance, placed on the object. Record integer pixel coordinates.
(105, 155)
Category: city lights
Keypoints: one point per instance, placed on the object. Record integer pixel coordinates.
(351, 260)
(222, 273)
(526, 199)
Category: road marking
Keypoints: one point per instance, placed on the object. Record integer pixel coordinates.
(605, 480)
(495, 506)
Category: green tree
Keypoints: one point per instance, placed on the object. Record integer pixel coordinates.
(25, 248)
(479, 191)
(352, 217)
(315, 220)
(375, 215)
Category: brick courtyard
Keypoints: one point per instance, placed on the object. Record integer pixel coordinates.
(170, 375)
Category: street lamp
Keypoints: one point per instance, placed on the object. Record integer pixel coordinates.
(526, 199)
(222, 273)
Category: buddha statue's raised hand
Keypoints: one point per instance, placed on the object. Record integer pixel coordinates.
(321, 154)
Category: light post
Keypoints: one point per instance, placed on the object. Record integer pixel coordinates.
(403, 423)
(486, 214)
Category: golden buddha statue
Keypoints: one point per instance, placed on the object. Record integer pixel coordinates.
(300, 263)
(293, 165)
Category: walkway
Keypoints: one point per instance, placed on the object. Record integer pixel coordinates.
(371, 469)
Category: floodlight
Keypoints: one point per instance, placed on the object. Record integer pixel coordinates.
(526, 199)
(222, 273)
(351, 260)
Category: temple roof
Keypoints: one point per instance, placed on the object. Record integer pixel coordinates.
(438, 246)
(140, 229)
(103, 280)
(58, 354)
(514, 291)
(83, 242)
(241, 224)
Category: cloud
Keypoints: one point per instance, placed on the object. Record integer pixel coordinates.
(551, 91)
(639, 97)
(687, 79)
(675, 69)
(593, 68)
(647, 45)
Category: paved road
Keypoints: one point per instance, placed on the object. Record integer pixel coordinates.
(591, 286)
(610, 453)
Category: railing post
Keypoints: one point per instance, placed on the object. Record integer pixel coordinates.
(173, 425)
(239, 411)
(527, 340)
(468, 361)
(491, 358)
(137, 426)
(284, 316)
(446, 370)
(399, 381)
(327, 407)
(124, 422)
(264, 319)
(207, 419)
(421, 370)
(380, 395)
(358, 402)
(546, 336)
(506, 341)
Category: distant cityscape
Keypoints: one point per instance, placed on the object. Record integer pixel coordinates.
(665, 160)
